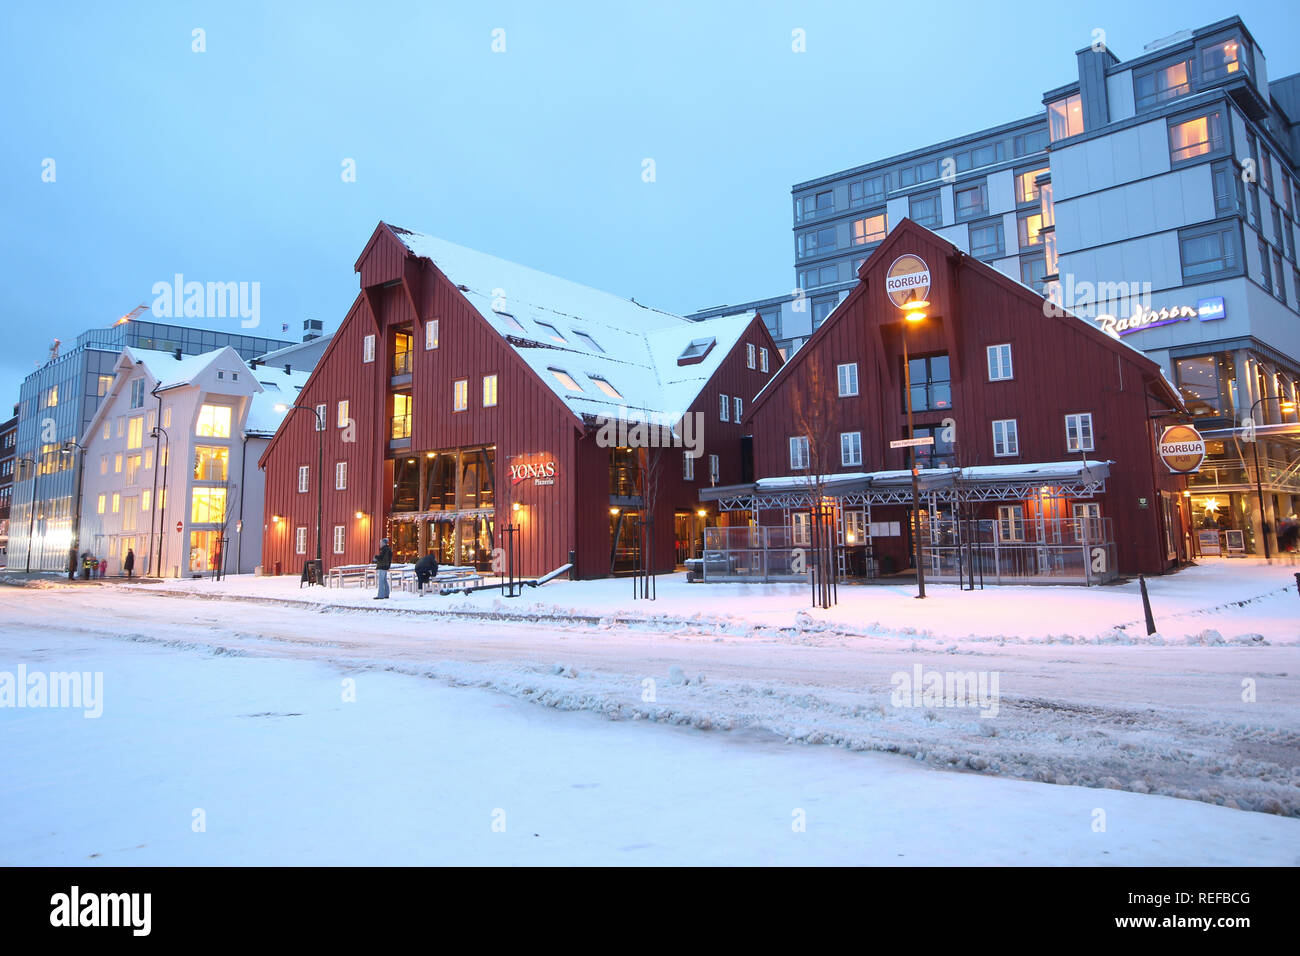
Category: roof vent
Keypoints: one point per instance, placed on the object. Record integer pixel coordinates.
(287, 368)
(176, 354)
(696, 351)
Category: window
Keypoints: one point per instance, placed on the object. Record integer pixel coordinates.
(117, 503)
(1011, 523)
(121, 426)
(588, 341)
(108, 430)
(552, 332)
(565, 379)
(1027, 143)
(1229, 191)
(822, 311)
(102, 501)
(211, 463)
(938, 455)
(1087, 520)
(925, 210)
(820, 240)
(304, 473)
(214, 422)
(135, 432)
(812, 278)
(105, 383)
(871, 229)
(806, 207)
(208, 506)
(322, 416)
(850, 448)
(340, 476)
(137, 392)
(342, 417)
(1222, 59)
(1279, 283)
(1208, 250)
(1195, 137)
(738, 409)
(1033, 273)
(145, 500)
(688, 466)
(749, 355)
(1165, 83)
(340, 538)
(986, 239)
(511, 321)
(864, 192)
(431, 334)
(460, 395)
(1078, 432)
(1006, 438)
(972, 201)
(724, 409)
(762, 360)
(931, 384)
(489, 391)
(1026, 187)
(300, 540)
(403, 353)
(117, 463)
(713, 469)
(1065, 117)
(51, 398)
(848, 379)
(999, 362)
(400, 427)
(800, 528)
(603, 384)
(1031, 229)
(367, 352)
(103, 464)
(798, 453)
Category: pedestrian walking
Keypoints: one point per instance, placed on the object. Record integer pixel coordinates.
(383, 561)
(73, 563)
(128, 564)
(87, 565)
(103, 567)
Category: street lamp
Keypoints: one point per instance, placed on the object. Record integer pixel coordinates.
(1259, 485)
(67, 449)
(320, 469)
(31, 507)
(913, 311)
(160, 505)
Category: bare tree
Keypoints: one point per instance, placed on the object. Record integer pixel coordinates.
(813, 421)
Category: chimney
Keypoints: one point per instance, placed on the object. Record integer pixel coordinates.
(287, 368)
(176, 354)
(311, 329)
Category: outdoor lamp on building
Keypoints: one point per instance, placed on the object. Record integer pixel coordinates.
(913, 312)
(320, 468)
(1285, 406)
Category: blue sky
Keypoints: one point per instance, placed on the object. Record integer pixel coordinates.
(225, 165)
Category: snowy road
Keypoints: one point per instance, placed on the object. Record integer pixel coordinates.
(1161, 719)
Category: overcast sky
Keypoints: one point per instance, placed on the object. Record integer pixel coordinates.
(226, 165)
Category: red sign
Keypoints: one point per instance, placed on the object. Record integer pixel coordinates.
(178, 527)
(542, 473)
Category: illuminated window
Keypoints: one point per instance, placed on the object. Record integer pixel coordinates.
(1222, 59)
(1031, 229)
(211, 463)
(367, 349)
(604, 386)
(431, 334)
(117, 503)
(146, 499)
(1163, 84)
(403, 353)
(871, 229)
(1065, 117)
(105, 383)
(565, 379)
(102, 502)
(343, 413)
(135, 433)
(401, 424)
(214, 422)
(132, 469)
(167, 417)
(489, 391)
(460, 395)
(1026, 187)
(117, 464)
(51, 396)
(1195, 137)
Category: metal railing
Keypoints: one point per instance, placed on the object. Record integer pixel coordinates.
(1027, 551)
(755, 554)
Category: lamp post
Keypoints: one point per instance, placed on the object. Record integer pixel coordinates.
(913, 311)
(1259, 484)
(31, 507)
(320, 469)
(67, 449)
(161, 504)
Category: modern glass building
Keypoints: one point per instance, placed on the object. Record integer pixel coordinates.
(57, 402)
(1156, 196)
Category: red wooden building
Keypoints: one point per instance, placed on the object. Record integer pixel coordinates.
(463, 394)
(1044, 428)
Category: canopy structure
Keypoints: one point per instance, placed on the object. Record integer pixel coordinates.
(980, 483)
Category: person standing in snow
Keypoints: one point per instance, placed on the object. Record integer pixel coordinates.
(128, 564)
(73, 563)
(383, 561)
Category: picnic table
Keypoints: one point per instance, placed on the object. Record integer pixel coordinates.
(400, 576)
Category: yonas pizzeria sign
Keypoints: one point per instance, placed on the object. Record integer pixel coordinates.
(1182, 449)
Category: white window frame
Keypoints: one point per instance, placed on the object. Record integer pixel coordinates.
(322, 417)
(304, 479)
(798, 452)
(738, 409)
(1081, 423)
(368, 349)
(688, 466)
(749, 354)
(460, 395)
(851, 453)
(340, 538)
(715, 469)
(995, 355)
(1089, 511)
(1010, 438)
(1011, 523)
(762, 360)
(848, 370)
(724, 408)
(430, 335)
(344, 409)
(340, 476)
(300, 539)
(486, 379)
(800, 528)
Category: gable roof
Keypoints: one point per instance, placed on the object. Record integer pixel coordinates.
(589, 335)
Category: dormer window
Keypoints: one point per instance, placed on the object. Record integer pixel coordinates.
(565, 379)
(696, 351)
(552, 331)
(604, 386)
(511, 321)
(588, 341)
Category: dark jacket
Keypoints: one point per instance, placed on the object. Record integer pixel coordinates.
(427, 565)
(384, 559)
(129, 563)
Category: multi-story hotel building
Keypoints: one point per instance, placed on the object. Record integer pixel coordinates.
(8, 451)
(1156, 196)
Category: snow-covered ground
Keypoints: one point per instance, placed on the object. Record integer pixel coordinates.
(208, 758)
(1206, 710)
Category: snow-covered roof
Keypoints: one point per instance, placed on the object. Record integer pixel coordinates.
(172, 372)
(278, 387)
(587, 335)
(1032, 472)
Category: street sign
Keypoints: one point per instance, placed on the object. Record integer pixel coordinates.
(909, 442)
(179, 525)
(908, 278)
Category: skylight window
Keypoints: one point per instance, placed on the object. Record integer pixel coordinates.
(511, 321)
(552, 331)
(604, 386)
(272, 386)
(696, 351)
(565, 379)
(588, 341)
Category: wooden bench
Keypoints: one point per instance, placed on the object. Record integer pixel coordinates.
(340, 575)
(450, 575)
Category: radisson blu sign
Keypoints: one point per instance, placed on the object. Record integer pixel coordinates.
(1206, 310)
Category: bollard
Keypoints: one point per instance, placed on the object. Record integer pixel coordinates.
(1146, 604)
(1297, 582)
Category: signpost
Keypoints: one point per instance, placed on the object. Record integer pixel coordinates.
(1182, 449)
(912, 442)
(908, 279)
